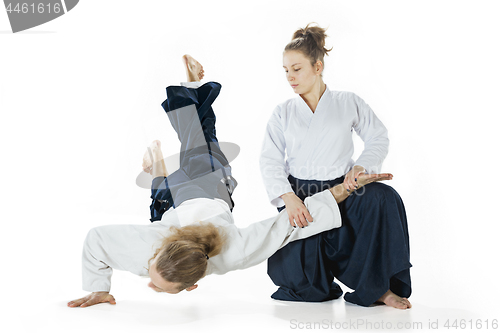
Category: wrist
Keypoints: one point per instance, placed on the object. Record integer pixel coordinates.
(287, 196)
(358, 168)
(340, 193)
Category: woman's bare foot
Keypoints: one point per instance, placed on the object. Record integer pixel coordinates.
(153, 154)
(194, 70)
(391, 299)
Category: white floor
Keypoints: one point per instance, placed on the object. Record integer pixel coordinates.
(237, 301)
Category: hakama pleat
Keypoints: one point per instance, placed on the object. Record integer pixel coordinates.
(370, 253)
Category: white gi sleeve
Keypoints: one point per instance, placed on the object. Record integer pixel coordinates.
(272, 160)
(122, 247)
(257, 242)
(374, 134)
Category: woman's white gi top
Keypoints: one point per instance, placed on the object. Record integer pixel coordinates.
(319, 145)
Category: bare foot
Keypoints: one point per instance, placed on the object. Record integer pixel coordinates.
(153, 154)
(194, 70)
(391, 299)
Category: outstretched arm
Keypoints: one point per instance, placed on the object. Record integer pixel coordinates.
(295, 207)
(340, 193)
(125, 247)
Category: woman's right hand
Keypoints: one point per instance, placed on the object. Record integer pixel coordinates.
(298, 215)
(94, 298)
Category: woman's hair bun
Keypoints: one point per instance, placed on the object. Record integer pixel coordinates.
(310, 41)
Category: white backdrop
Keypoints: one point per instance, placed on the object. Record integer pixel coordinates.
(80, 100)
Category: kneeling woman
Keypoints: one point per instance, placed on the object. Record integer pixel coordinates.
(370, 253)
(177, 249)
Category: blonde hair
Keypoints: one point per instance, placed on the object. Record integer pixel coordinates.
(186, 253)
(310, 41)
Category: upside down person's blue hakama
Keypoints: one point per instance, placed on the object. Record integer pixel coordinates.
(204, 171)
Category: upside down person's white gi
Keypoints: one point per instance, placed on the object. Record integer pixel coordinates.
(129, 247)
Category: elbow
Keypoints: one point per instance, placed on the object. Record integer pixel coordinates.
(91, 234)
(382, 144)
(385, 146)
(92, 238)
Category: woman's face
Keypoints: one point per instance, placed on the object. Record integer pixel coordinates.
(301, 75)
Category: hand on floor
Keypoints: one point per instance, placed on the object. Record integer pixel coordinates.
(94, 298)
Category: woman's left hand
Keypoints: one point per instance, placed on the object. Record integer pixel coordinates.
(352, 176)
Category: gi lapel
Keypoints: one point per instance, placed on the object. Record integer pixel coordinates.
(313, 135)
